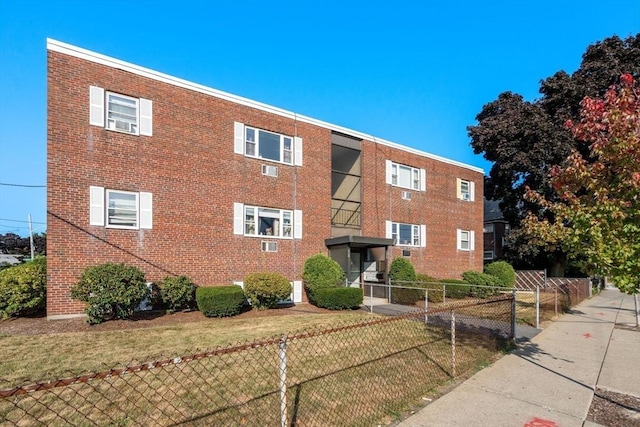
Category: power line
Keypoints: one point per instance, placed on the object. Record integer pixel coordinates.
(23, 185)
(17, 220)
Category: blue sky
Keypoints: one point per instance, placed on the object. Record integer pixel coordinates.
(412, 72)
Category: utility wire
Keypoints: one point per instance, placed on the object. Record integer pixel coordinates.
(17, 220)
(23, 185)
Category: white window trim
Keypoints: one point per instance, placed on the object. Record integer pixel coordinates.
(98, 111)
(239, 144)
(99, 208)
(488, 258)
(471, 240)
(468, 196)
(239, 218)
(422, 181)
(420, 228)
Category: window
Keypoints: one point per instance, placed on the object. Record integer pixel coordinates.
(466, 240)
(407, 234)
(405, 176)
(119, 112)
(488, 255)
(488, 228)
(466, 190)
(267, 145)
(120, 209)
(261, 221)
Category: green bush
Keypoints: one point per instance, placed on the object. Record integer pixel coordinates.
(456, 289)
(23, 288)
(110, 291)
(220, 301)
(481, 283)
(401, 270)
(321, 272)
(177, 292)
(502, 270)
(433, 286)
(265, 290)
(339, 298)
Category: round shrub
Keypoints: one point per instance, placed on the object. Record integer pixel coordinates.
(401, 270)
(220, 301)
(111, 291)
(504, 271)
(481, 283)
(23, 288)
(321, 272)
(177, 292)
(339, 298)
(402, 273)
(265, 290)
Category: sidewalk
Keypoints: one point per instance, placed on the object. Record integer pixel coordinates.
(550, 380)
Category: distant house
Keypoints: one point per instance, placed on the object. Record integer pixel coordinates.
(10, 259)
(496, 229)
(177, 178)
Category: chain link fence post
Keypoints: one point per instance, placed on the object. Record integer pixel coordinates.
(426, 306)
(444, 291)
(537, 306)
(453, 343)
(513, 314)
(283, 381)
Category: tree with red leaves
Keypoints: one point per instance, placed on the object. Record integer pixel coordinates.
(596, 214)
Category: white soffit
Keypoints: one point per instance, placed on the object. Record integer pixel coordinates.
(98, 58)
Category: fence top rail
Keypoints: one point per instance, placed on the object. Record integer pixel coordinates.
(392, 286)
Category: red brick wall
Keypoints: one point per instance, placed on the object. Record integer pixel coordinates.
(195, 177)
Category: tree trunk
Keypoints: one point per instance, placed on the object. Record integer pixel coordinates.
(558, 265)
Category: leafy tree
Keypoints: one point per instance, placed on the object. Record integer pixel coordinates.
(525, 139)
(596, 203)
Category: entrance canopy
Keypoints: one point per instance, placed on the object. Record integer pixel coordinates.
(363, 259)
(358, 242)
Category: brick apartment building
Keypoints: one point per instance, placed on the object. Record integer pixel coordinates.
(178, 178)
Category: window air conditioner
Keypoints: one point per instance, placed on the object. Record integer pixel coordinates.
(466, 196)
(269, 246)
(120, 125)
(406, 195)
(269, 170)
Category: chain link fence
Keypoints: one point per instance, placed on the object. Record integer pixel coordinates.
(363, 373)
(542, 298)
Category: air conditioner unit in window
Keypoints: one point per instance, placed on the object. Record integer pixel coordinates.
(269, 170)
(406, 195)
(466, 196)
(269, 246)
(121, 125)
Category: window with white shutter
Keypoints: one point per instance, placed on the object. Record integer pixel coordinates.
(120, 209)
(120, 113)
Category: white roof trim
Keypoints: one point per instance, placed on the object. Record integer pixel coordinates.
(97, 58)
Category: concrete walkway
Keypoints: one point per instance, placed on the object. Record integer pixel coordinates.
(550, 380)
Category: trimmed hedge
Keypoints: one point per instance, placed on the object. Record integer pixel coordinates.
(339, 298)
(265, 290)
(502, 270)
(433, 286)
(401, 272)
(23, 288)
(110, 291)
(321, 272)
(481, 283)
(177, 293)
(220, 301)
(456, 289)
